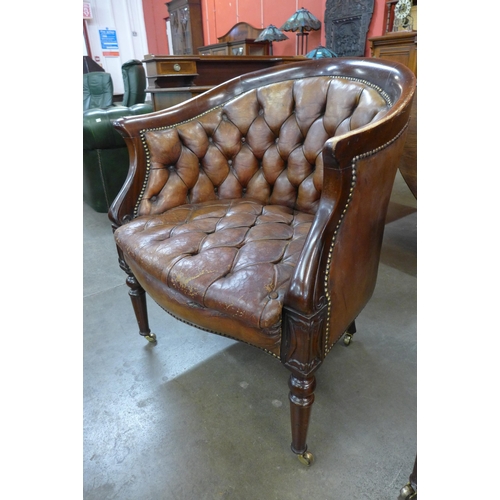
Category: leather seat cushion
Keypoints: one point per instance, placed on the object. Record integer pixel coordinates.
(231, 259)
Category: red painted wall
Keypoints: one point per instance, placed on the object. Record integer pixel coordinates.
(155, 13)
(377, 24)
(219, 16)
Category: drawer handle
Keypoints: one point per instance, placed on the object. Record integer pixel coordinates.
(177, 67)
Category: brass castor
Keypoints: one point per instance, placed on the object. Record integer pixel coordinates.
(407, 493)
(306, 458)
(150, 338)
(347, 338)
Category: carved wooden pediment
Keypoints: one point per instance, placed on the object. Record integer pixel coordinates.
(240, 31)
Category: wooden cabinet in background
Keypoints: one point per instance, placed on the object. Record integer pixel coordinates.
(399, 46)
(186, 26)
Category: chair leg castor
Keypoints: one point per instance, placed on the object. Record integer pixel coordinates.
(407, 493)
(306, 458)
(347, 338)
(150, 338)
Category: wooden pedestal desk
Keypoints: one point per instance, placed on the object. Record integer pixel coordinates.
(174, 79)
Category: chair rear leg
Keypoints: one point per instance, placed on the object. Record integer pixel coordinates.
(301, 399)
(351, 330)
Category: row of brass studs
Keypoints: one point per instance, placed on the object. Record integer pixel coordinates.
(267, 351)
(148, 170)
(330, 253)
(382, 92)
(339, 77)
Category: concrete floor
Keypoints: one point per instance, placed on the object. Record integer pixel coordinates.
(200, 416)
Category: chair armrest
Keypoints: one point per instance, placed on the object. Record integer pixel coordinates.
(351, 185)
(305, 291)
(140, 108)
(98, 129)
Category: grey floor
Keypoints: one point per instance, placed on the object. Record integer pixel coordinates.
(200, 416)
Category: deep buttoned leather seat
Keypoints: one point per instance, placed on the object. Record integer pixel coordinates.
(226, 258)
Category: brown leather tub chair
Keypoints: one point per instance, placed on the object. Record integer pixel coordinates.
(256, 210)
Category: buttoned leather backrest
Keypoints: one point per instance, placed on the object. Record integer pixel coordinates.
(265, 144)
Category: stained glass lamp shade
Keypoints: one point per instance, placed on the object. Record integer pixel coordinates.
(271, 34)
(320, 52)
(301, 22)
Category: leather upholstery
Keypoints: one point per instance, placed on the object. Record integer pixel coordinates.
(265, 145)
(257, 209)
(237, 257)
(255, 148)
(97, 90)
(98, 129)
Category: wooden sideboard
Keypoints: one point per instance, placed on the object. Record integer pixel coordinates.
(401, 47)
(174, 79)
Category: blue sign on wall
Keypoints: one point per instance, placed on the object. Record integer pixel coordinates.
(108, 39)
(109, 43)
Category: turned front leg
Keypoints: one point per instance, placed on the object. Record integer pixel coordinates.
(302, 355)
(301, 399)
(138, 298)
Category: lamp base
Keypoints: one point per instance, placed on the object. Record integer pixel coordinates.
(301, 43)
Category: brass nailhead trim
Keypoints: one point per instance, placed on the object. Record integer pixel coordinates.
(267, 351)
